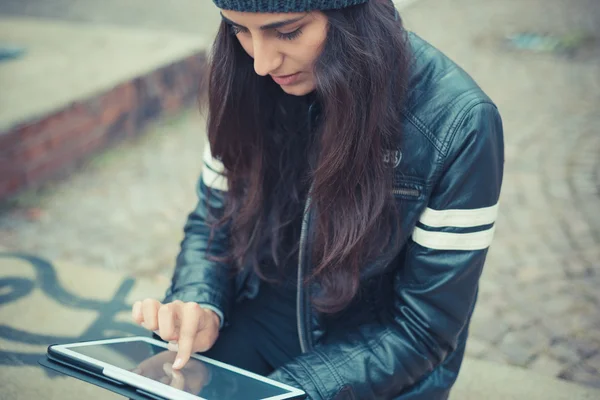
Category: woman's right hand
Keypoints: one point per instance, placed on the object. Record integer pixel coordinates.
(191, 327)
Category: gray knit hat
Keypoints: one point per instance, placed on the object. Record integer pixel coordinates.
(282, 6)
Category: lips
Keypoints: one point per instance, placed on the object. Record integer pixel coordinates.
(286, 79)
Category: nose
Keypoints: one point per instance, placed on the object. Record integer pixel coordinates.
(266, 57)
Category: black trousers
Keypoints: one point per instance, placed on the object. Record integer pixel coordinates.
(262, 333)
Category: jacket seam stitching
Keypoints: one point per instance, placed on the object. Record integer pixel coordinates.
(451, 104)
(367, 347)
(423, 130)
(462, 115)
(454, 126)
(314, 378)
(332, 370)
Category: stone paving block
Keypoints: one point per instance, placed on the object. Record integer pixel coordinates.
(476, 347)
(489, 288)
(592, 333)
(526, 298)
(547, 365)
(564, 352)
(577, 323)
(560, 190)
(585, 346)
(516, 319)
(488, 329)
(516, 352)
(591, 252)
(589, 288)
(496, 303)
(492, 354)
(594, 361)
(557, 326)
(562, 304)
(530, 273)
(582, 373)
(484, 310)
(557, 241)
(520, 347)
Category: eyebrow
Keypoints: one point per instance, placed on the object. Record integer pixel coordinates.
(273, 25)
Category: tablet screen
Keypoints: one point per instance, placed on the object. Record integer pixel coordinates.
(196, 377)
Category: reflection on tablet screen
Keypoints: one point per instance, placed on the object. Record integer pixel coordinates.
(197, 377)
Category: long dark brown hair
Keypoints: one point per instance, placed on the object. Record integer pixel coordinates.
(254, 128)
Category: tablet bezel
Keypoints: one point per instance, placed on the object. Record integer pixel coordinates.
(155, 387)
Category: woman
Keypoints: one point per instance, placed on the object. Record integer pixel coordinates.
(346, 205)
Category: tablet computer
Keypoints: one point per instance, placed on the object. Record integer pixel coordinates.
(146, 364)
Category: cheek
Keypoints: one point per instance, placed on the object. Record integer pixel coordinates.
(308, 57)
(313, 48)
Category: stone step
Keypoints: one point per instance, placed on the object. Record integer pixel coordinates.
(79, 88)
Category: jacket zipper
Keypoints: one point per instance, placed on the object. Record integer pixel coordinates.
(407, 192)
(300, 295)
(300, 291)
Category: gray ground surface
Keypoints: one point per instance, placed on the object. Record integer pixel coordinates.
(539, 305)
(193, 16)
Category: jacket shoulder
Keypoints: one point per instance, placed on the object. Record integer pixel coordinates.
(440, 94)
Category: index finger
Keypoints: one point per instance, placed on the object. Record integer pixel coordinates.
(190, 320)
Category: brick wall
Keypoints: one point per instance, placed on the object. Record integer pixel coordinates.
(53, 146)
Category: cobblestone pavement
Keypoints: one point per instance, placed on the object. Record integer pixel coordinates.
(539, 304)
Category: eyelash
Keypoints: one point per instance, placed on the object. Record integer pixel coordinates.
(290, 36)
(284, 36)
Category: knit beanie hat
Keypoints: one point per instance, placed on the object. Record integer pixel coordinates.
(283, 6)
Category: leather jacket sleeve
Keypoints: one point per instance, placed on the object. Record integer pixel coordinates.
(196, 278)
(434, 289)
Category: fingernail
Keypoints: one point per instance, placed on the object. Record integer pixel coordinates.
(178, 362)
(144, 325)
(137, 371)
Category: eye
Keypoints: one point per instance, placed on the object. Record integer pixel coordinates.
(289, 36)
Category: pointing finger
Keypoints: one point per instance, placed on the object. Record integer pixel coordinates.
(190, 319)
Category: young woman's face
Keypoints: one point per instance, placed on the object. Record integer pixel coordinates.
(284, 46)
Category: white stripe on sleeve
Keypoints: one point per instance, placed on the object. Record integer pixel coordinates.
(212, 171)
(453, 241)
(459, 218)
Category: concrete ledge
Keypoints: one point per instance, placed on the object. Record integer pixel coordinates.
(80, 87)
(485, 380)
(67, 61)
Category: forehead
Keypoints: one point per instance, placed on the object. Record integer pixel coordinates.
(255, 20)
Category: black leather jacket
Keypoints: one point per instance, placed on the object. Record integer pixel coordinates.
(411, 341)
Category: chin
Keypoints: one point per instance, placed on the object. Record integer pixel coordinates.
(301, 89)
